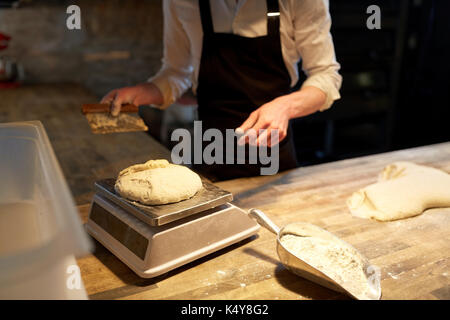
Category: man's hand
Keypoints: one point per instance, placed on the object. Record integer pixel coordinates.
(275, 115)
(141, 94)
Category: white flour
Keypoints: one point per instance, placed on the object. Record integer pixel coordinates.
(339, 262)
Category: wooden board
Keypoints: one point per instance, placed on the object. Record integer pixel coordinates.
(413, 254)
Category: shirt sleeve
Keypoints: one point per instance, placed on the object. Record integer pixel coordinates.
(312, 23)
(174, 77)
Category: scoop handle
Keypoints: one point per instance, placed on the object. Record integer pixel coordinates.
(264, 220)
(104, 108)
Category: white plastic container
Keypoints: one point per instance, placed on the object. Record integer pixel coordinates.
(40, 230)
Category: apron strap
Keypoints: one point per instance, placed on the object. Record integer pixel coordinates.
(205, 15)
(273, 17)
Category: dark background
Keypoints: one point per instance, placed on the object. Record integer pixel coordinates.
(395, 91)
(396, 85)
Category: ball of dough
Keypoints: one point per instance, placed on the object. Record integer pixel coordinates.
(157, 182)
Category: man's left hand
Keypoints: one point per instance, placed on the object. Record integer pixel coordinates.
(273, 115)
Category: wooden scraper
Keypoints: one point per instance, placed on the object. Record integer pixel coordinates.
(102, 122)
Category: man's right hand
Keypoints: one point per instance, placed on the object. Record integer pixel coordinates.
(141, 94)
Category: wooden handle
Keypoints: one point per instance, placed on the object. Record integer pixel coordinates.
(104, 108)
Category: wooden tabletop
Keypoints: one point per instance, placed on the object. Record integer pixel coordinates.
(84, 157)
(413, 254)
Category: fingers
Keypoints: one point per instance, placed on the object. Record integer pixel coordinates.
(107, 99)
(115, 99)
(250, 137)
(116, 106)
(264, 127)
(251, 120)
(262, 123)
(245, 126)
(262, 138)
(256, 129)
(255, 122)
(271, 137)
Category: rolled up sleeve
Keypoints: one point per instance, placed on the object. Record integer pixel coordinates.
(174, 77)
(312, 23)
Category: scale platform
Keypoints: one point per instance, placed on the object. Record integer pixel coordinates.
(153, 240)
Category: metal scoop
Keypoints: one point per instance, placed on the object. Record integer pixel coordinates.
(301, 268)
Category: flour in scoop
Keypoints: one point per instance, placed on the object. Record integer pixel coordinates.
(339, 262)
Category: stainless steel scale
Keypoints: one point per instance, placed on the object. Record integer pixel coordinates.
(153, 240)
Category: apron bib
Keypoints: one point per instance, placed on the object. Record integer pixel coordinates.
(237, 75)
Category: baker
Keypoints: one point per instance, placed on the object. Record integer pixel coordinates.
(240, 57)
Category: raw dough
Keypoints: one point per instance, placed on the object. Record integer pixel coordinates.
(403, 190)
(157, 182)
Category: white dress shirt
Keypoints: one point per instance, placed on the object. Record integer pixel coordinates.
(304, 30)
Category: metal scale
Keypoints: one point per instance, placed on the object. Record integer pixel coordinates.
(153, 240)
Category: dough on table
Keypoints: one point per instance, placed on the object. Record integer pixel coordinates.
(403, 190)
(157, 182)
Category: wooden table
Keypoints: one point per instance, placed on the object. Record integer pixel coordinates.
(413, 254)
(84, 157)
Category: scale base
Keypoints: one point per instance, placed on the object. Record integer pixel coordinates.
(154, 250)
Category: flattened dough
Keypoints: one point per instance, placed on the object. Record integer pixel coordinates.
(403, 190)
(157, 182)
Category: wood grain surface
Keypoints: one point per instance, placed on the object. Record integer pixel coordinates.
(84, 157)
(413, 254)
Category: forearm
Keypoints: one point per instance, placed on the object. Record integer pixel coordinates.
(172, 83)
(174, 77)
(304, 102)
(153, 94)
(314, 43)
